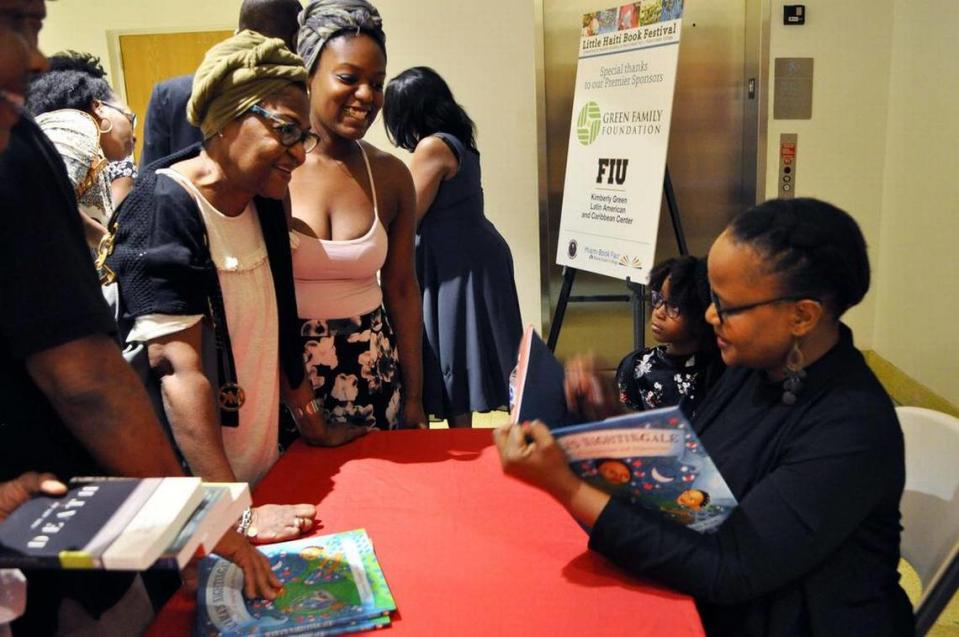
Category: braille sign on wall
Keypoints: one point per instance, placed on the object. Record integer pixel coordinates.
(792, 95)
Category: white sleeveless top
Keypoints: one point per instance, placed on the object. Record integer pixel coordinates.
(338, 279)
(243, 270)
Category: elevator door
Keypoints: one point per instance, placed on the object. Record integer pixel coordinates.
(712, 144)
(149, 58)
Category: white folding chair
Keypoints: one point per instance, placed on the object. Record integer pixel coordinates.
(930, 507)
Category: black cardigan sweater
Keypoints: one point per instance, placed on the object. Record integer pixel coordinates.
(162, 263)
(813, 547)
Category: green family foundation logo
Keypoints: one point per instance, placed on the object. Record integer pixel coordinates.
(592, 122)
(588, 123)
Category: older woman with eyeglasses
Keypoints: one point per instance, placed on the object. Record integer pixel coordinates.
(801, 430)
(202, 257)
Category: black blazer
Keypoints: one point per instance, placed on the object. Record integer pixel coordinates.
(166, 130)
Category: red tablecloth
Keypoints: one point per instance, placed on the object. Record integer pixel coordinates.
(466, 551)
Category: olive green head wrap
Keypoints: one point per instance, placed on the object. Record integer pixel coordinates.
(236, 74)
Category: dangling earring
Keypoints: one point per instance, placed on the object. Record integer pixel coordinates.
(794, 374)
(104, 131)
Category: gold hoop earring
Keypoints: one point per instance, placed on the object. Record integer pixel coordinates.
(104, 131)
(795, 374)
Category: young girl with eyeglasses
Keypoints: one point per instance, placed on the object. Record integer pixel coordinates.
(687, 362)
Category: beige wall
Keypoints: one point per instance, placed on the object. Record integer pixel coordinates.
(488, 60)
(882, 145)
(489, 63)
(917, 300)
(841, 149)
(881, 142)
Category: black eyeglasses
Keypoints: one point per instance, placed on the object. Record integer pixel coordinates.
(131, 116)
(289, 133)
(725, 312)
(657, 300)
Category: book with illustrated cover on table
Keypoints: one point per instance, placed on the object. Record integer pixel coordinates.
(652, 458)
(332, 584)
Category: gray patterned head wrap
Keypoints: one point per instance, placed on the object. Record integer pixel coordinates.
(322, 19)
(76, 136)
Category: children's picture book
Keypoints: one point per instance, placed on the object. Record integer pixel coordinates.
(655, 460)
(536, 390)
(652, 458)
(332, 584)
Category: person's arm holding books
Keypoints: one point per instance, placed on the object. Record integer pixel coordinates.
(15, 492)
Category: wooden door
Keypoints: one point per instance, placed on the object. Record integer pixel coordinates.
(151, 57)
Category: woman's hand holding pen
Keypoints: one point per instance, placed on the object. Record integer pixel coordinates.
(529, 453)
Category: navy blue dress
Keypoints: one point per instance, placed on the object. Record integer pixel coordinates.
(471, 318)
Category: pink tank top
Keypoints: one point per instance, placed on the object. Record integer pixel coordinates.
(338, 279)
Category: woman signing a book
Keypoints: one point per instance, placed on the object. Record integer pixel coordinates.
(799, 427)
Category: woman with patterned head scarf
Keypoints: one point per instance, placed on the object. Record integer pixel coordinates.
(354, 217)
(202, 257)
(66, 100)
(76, 136)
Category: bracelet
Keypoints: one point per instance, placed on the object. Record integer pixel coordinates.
(246, 520)
(309, 409)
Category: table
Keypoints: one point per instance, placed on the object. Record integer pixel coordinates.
(466, 550)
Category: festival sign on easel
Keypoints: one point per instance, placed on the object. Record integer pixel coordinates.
(618, 139)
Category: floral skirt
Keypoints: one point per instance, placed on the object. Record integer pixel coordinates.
(353, 367)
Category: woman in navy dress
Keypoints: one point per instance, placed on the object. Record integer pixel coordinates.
(471, 313)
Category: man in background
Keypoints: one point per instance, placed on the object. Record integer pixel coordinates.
(166, 129)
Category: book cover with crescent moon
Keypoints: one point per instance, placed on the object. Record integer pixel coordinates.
(654, 459)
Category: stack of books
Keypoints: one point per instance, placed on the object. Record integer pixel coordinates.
(121, 524)
(332, 585)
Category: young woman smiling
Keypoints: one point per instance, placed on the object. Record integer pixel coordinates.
(354, 222)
